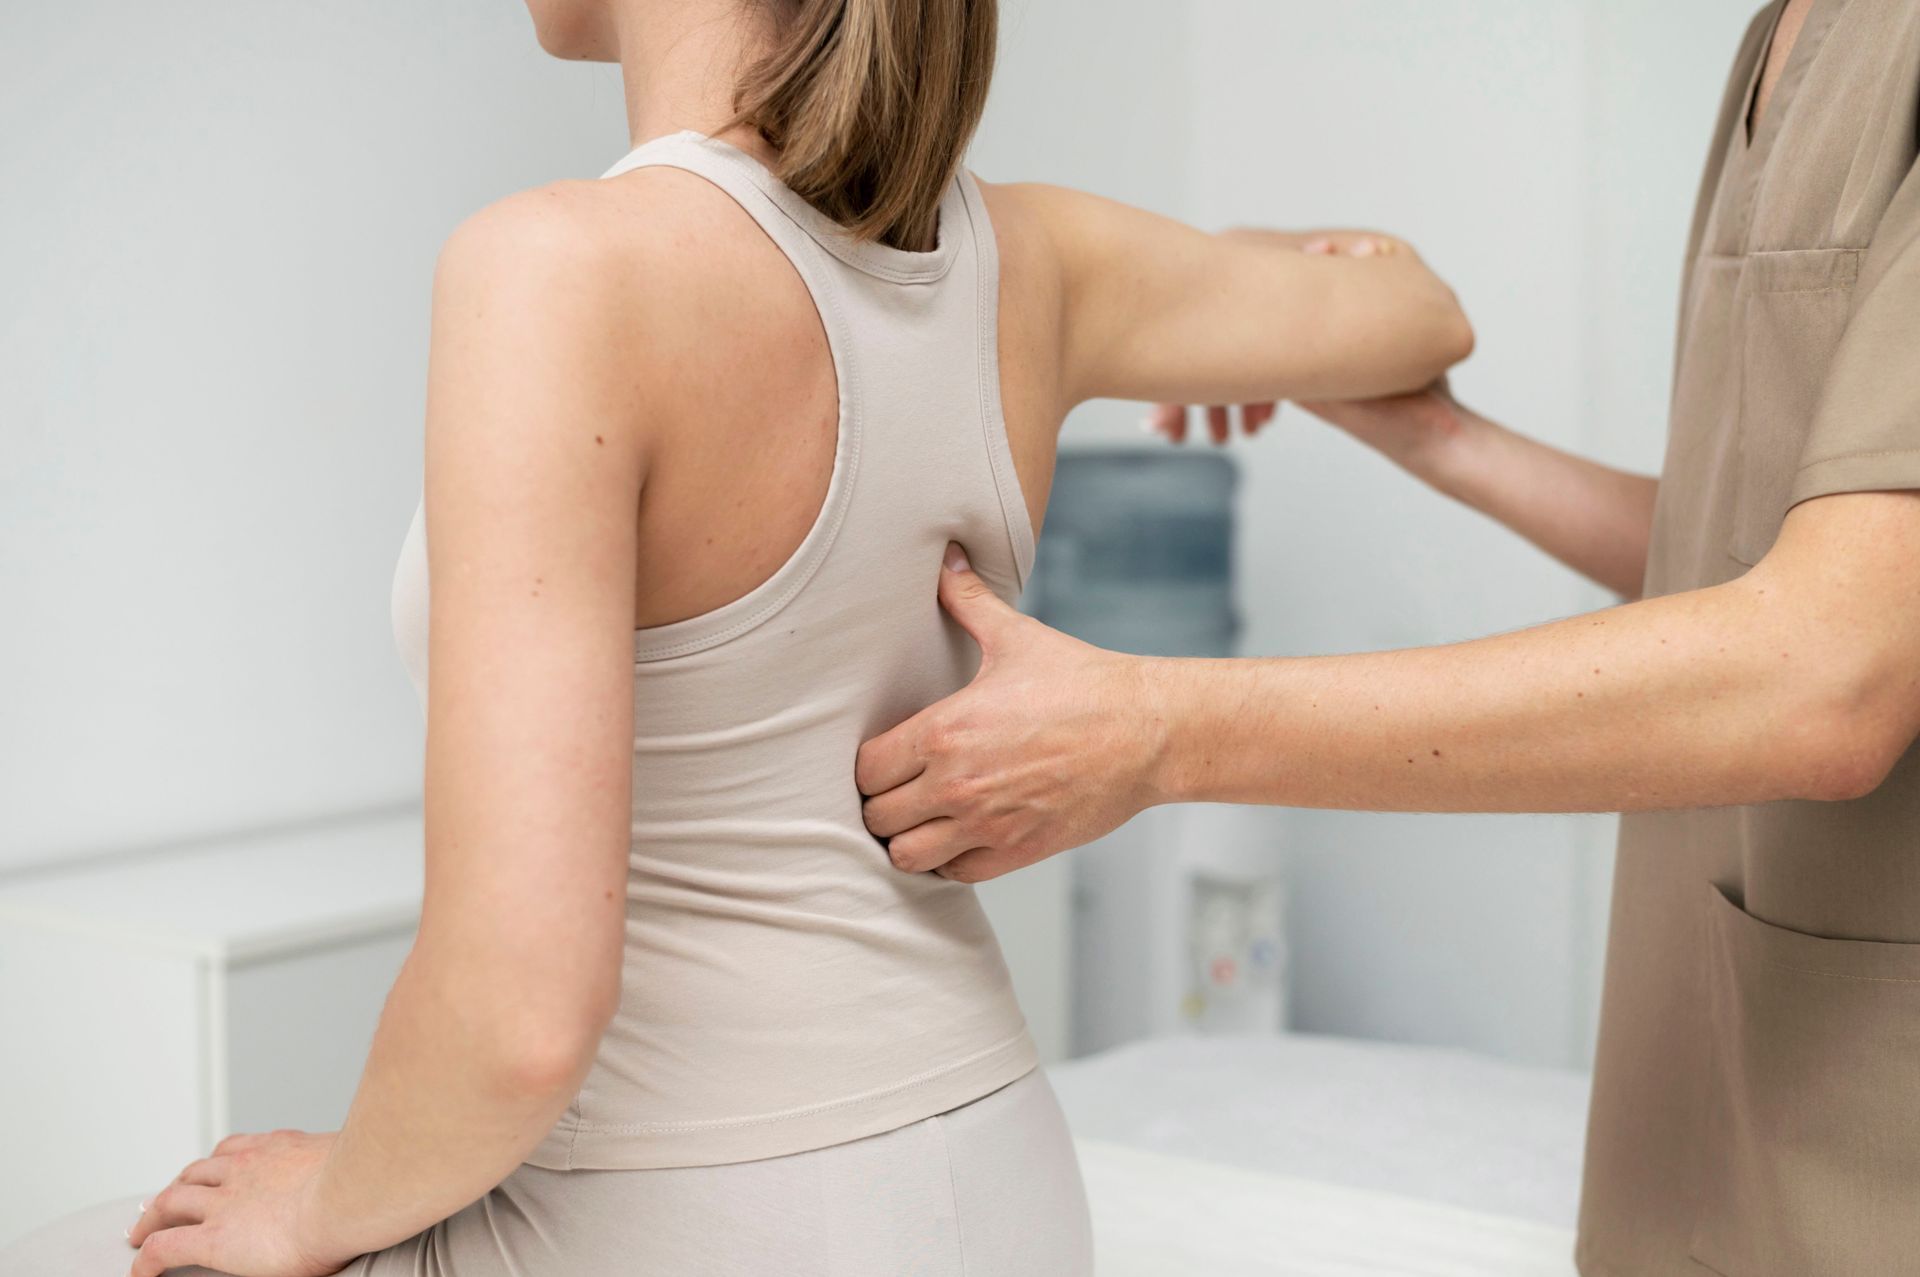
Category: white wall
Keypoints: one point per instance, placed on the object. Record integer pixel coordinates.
(217, 227)
(217, 232)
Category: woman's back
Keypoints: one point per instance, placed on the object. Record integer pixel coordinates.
(785, 988)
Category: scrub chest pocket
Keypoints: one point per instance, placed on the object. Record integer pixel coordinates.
(1797, 304)
(1812, 1163)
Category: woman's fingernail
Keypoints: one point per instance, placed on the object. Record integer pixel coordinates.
(1149, 425)
(1317, 245)
(956, 559)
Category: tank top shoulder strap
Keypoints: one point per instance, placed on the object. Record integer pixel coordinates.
(772, 207)
(1006, 480)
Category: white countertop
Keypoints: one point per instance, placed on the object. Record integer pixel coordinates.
(239, 898)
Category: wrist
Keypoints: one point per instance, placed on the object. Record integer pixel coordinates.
(1452, 448)
(1158, 684)
(314, 1241)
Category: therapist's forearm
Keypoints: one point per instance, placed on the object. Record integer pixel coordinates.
(1712, 697)
(450, 1101)
(1594, 518)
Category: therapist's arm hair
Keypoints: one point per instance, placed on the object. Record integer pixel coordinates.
(1594, 518)
(1798, 680)
(1153, 309)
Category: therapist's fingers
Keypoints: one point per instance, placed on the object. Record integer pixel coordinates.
(980, 864)
(928, 846)
(899, 809)
(1218, 427)
(1351, 244)
(1169, 420)
(889, 760)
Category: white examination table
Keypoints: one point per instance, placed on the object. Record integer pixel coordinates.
(1303, 1156)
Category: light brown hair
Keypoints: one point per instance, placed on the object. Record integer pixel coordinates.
(870, 104)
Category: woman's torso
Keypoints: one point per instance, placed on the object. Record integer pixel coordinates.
(784, 987)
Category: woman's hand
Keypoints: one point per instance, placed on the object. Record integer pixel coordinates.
(245, 1210)
(1170, 420)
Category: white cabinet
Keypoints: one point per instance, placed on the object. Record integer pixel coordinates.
(152, 1003)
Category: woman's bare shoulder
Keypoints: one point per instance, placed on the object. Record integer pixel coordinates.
(596, 235)
(632, 274)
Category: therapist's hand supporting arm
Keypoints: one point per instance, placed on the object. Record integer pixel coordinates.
(1800, 679)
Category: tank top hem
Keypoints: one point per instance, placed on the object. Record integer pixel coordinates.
(654, 1146)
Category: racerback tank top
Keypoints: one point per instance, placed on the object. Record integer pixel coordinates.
(785, 988)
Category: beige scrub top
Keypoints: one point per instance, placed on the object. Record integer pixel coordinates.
(1756, 1105)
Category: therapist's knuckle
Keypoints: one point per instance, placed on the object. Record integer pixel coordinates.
(961, 791)
(937, 737)
(907, 855)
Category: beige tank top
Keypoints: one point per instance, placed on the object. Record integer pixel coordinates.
(785, 988)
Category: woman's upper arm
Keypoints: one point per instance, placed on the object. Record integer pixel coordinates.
(1157, 310)
(534, 460)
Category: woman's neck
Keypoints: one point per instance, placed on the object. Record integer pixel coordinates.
(680, 61)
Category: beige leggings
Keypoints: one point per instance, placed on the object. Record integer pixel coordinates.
(990, 1189)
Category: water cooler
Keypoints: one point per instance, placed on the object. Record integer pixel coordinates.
(1179, 915)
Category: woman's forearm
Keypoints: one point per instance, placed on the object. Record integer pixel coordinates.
(450, 1101)
(1714, 697)
(1595, 519)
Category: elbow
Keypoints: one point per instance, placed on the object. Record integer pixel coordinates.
(1461, 336)
(1846, 770)
(542, 1042)
(544, 1065)
(547, 1054)
(1437, 335)
(1844, 750)
(1455, 336)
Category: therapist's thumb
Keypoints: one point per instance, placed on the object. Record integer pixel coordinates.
(972, 602)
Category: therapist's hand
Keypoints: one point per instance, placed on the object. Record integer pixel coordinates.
(1054, 743)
